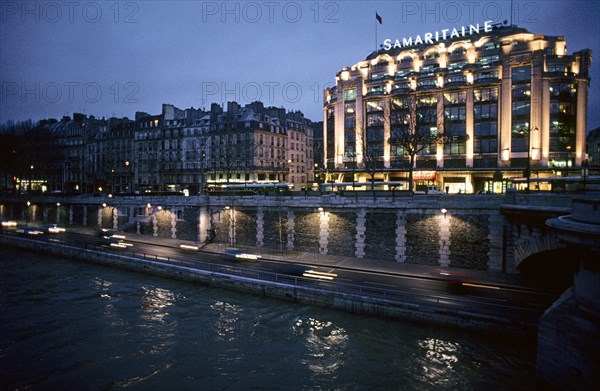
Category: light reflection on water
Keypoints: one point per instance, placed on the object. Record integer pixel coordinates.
(325, 344)
(226, 326)
(439, 358)
(155, 303)
(64, 323)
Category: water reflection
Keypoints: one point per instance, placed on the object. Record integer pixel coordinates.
(226, 326)
(103, 286)
(159, 329)
(327, 345)
(166, 339)
(155, 303)
(439, 357)
(106, 287)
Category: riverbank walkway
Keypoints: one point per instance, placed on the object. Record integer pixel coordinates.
(481, 277)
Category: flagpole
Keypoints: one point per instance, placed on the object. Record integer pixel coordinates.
(375, 35)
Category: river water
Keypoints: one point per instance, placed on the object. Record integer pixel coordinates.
(67, 324)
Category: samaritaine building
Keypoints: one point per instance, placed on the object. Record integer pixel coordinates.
(489, 102)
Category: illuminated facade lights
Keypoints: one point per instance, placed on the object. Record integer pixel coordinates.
(474, 100)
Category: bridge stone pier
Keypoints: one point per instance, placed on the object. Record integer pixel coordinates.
(568, 353)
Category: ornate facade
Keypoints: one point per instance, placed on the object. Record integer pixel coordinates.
(504, 102)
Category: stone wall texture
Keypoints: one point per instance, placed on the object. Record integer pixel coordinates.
(245, 221)
(275, 228)
(422, 239)
(380, 234)
(469, 241)
(187, 228)
(342, 232)
(306, 231)
(478, 232)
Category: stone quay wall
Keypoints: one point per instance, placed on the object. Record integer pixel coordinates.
(413, 229)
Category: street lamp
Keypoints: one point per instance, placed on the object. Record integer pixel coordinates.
(527, 172)
(353, 156)
(130, 179)
(584, 173)
(112, 180)
(569, 164)
(30, 176)
(202, 168)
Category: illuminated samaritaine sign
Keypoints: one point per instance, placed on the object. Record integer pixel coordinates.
(431, 38)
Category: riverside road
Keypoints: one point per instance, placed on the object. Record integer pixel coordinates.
(488, 293)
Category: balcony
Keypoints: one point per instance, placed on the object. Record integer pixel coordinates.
(401, 90)
(426, 87)
(487, 81)
(559, 75)
(471, 67)
(440, 71)
(456, 83)
(375, 82)
(487, 65)
(372, 94)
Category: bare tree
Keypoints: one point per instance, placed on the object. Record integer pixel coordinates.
(411, 130)
(371, 158)
(370, 141)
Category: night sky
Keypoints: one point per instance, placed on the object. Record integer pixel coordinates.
(110, 58)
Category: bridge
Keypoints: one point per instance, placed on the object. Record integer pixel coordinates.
(568, 353)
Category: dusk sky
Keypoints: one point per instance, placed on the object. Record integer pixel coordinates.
(110, 58)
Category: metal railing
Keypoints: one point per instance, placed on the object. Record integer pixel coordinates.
(448, 303)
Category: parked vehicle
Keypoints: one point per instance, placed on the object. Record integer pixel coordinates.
(429, 189)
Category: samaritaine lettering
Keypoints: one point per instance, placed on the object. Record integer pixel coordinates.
(431, 38)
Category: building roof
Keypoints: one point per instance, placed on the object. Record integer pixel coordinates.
(498, 31)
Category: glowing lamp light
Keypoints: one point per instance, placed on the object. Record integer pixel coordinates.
(440, 81)
(470, 78)
(413, 84)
